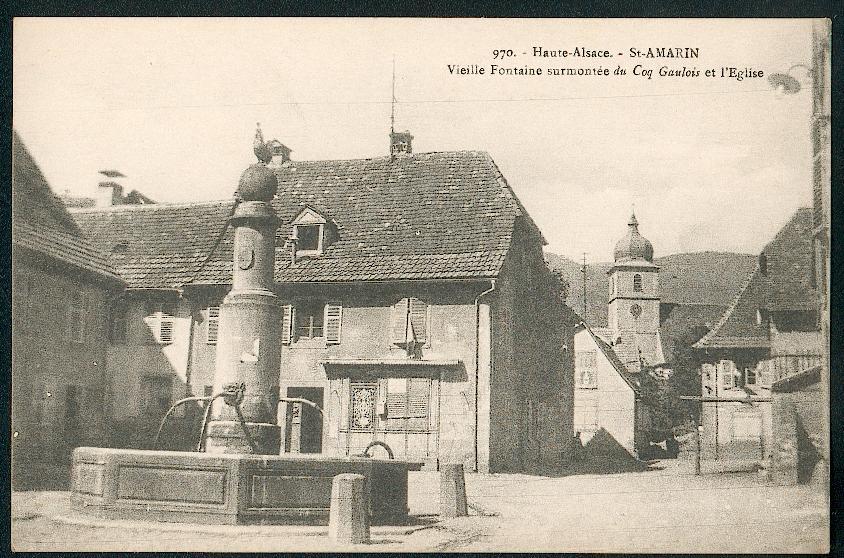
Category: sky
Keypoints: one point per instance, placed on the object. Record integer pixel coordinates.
(708, 164)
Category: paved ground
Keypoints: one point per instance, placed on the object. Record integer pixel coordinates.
(652, 511)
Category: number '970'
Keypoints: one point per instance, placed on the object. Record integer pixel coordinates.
(501, 54)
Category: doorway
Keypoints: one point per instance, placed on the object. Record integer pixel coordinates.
(303, 423)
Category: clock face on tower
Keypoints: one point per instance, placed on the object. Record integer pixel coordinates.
(636, 310)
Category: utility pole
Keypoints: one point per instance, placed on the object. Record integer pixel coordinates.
(583, 272)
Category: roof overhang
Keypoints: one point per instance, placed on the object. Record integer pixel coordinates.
(408, 362)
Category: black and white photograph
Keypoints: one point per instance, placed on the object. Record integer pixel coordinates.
(420, 285)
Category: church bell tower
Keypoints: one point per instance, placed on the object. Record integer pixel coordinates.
(633, 312)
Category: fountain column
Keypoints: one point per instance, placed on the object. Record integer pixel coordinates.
(248, 342)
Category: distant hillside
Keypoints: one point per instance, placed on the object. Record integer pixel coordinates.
(705, 278)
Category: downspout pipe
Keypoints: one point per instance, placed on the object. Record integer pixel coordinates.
(477, 358)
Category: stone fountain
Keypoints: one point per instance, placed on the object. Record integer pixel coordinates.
(237, 475)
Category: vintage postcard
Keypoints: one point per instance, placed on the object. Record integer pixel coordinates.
(421, 285)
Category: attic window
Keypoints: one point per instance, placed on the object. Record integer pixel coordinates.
(120, 248)
(310, 238)
(309, 230)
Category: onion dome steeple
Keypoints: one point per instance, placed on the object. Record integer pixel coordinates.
(633, 246)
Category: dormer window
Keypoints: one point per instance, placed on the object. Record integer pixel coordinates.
(309, 238)
(309, 232)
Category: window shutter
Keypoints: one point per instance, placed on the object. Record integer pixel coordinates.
(396, 389)
(418, 396)
(213, 325)
(165, 322)
(726, 370)
(287, 324)
(419, 319)
(333, 320)
(398, 323)
(165, 330)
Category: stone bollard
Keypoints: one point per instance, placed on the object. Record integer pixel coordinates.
(452, 491)
(348, 519)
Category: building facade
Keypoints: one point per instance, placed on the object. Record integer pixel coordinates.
(61, 288)
(609, 414)
(771, 332)
(417, 311)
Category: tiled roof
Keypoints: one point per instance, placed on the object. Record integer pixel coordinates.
(155, 246)
(781, 281)
(65, 247)
(445, 215)
(41, 223)
(33, 201)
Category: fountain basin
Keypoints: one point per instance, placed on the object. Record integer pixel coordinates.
(199, 487)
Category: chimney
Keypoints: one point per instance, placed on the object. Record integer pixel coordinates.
(401, 143)
(280, 153)
(109, 192)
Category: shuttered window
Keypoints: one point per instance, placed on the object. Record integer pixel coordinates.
(408, 398)
(409, 321)
(333, 323)
(637, 283)
(310, 319)
(212, 327)
(750, 376)
(287, 319)
(161, 320)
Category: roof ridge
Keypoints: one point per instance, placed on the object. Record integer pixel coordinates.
(294, 162)
(148, 207)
